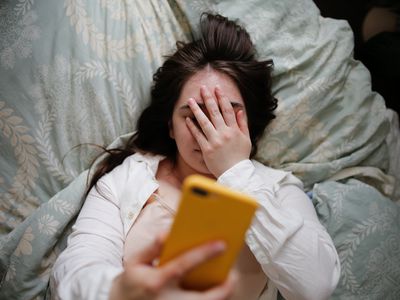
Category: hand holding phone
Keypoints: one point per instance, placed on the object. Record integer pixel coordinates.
(140, 280)
(208, 211)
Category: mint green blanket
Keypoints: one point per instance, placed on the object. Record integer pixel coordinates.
(75, 72)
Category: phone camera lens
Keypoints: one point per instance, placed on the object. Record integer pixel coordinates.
(199, 191)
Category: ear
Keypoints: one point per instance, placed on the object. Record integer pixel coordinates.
(171, 130)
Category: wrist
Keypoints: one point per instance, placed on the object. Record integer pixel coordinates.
(115, 291)
(233, 168)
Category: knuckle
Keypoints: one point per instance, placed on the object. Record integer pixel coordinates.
(203, 122)
(190, 260)
(178, 268)
(194, 108)
(207, 149)
(182, 266)
(176, 273)
(197, 110)
(219, 144)
(194, 130)
(227, 110)
(226, 136)
(154, 286)
(214, 111)
(196, 134)
(207, 94)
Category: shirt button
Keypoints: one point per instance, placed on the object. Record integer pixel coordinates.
(131, 215)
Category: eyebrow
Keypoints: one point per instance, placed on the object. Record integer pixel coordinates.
(203, 106)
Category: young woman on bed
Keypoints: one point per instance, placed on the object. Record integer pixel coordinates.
(211, 101)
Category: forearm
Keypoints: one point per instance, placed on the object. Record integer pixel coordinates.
(92, 282)
(305, 267)
(93, 257)
(286, 238)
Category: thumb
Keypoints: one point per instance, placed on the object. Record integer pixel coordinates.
(148, 254)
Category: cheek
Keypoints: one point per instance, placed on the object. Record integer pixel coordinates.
(179, 131)
(185, 134)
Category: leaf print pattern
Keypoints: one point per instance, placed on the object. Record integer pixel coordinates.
(25, 245)
(76, 72)
(16, 41)
(19, 195)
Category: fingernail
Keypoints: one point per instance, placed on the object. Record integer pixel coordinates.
(219, 246)
(191, 101)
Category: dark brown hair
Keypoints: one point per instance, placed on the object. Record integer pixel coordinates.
(226, 47)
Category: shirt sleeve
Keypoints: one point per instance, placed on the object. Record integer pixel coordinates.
(292, 247)
(93, 257)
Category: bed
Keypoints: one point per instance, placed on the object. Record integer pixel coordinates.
(78, 72)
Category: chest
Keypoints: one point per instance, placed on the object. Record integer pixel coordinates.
(169, 185)
(167, 192)
(155, 217)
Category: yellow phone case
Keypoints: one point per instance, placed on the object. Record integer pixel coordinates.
(209, 211)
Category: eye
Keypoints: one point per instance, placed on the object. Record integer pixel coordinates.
(194, 120)
(190, 116)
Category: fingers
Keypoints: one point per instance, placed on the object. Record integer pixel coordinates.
(220, 292)
(197, 133)
(212, 107)
(223, 291)
(187, 261)
(242, 122)
(220, 110)
(148, 254)
(206, 126)
(227, 110)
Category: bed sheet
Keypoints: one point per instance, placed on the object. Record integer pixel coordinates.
(75, 72)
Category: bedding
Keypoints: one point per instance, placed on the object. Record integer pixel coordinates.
(77, 72)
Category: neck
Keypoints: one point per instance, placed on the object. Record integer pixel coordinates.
(182, 170)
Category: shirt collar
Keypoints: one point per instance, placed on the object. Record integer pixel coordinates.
(152, 160)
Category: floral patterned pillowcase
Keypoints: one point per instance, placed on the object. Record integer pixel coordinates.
(67, 79)
(365, 227)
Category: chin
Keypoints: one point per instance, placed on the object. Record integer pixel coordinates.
(203, 170)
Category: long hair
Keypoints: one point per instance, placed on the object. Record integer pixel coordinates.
(224, 46)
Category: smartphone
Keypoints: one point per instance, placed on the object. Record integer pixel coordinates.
(207, 212)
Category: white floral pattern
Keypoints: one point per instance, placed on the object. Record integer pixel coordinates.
(121, 85)
(48, 225)
(77, 72)
(25, 245)
(18, 196)
(53, 90)
(369, 250)
(17, 32)
(61, 206)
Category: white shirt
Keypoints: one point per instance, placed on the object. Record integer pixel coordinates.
(292, 247)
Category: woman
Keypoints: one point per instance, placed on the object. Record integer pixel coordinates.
(211, 101)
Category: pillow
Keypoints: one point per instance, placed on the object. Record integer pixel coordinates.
(365, 228)
(77, 72)
(71, 73)
(328, 119)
